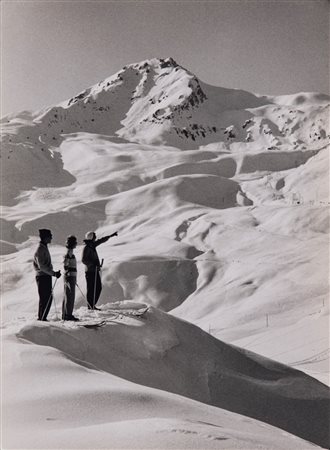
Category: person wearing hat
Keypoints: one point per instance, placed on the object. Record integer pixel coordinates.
(92, 264)
(70, 280)
(42, 264)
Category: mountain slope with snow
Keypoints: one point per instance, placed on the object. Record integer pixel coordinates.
(220, 198)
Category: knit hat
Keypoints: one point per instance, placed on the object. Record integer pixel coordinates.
(71, 241)
(90, 235)
(44, 233)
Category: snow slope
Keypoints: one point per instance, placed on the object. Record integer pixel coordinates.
(162, 352)
(220, 198)
(89, 408)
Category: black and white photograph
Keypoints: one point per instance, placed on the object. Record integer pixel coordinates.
(165, 224)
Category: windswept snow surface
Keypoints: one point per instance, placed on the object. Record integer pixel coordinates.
(220, 198)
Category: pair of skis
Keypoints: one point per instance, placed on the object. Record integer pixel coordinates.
(117, 314)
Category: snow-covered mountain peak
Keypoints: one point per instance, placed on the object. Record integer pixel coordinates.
(156, 63)
(152, 70)
(153, 93)
(157, 101)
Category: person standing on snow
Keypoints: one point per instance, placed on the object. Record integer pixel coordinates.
(42, 264)
(92, 267)
(70, 280)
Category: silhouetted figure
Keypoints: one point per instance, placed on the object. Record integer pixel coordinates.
(70, 280)
(91, 260)
(42, 264)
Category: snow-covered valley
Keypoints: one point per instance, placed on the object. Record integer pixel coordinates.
(221, 202)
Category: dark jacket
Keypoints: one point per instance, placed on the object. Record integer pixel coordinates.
(89, 255)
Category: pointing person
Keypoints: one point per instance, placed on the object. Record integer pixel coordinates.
(42, 264)
(92, 264)
(70, 279)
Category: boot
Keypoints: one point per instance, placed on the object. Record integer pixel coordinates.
(73, 318)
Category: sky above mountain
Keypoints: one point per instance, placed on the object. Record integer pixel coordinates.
(52, 49)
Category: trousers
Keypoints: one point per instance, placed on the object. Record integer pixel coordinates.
(69, 296)
(44, 283)
(94, 288)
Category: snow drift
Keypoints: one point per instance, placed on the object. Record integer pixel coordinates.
(90, 408)
(166, 353)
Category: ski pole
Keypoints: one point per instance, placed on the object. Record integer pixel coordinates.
(55, 303)
(81, 291)
(84, 296)
(50, 297)
(94, 295)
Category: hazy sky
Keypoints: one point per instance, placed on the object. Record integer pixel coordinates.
(52, 50)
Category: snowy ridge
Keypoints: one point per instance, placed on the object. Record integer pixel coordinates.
(159, 351)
